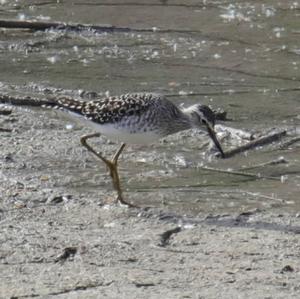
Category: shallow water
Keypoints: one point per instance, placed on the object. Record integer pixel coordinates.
(239, 56)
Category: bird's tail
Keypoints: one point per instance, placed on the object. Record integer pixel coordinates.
(62, 102)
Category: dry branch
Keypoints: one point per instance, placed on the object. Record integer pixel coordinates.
(22, 101)
(5, 111)
(289, 142)
(255, 143)
(42, 26)
(165, 237)
(280, 160)
(241, 173)
(5, 130)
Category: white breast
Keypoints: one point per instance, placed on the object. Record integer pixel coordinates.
(123, 135)
(114, 133)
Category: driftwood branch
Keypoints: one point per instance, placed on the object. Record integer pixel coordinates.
(5, 130)
(289, 142)
(42, 26)
(241, 173)
(23, 101)
(255, 143)
(277, 161)
(5, 111)
(165, 237)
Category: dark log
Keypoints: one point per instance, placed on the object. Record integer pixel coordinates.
(255, 143)
(42, 26)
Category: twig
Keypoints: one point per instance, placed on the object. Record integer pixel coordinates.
(5, 111)
(22, 101)
(165, 237)
(277, 161)
(241, 173)
(255, 143)
(144, 284)
(242, 192)
(67, 253)
(89, 285)
(42, 26)
(289, 142)
(265, 196)
(5, 130)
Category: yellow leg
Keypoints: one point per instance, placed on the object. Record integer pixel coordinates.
(111, 164)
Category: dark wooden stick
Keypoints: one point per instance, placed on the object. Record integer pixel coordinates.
(289, 142)
(23, 101)
(165, 237)
(5, 130)
(255, 143)
(5, 111)
(42, 26)
(241, 173)
(277, 161)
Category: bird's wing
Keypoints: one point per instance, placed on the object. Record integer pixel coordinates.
(109, 109)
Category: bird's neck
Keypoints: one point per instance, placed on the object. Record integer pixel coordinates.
(180, 121)
(187, 116)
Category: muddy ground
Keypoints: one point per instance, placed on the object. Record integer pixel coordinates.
(80, 249)
(57, 242)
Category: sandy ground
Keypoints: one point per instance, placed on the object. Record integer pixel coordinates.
(80, 250)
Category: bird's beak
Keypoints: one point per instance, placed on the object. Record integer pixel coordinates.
(213, 136)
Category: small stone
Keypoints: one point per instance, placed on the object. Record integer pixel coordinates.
(44, 178)
(287, 268)
(55, 199)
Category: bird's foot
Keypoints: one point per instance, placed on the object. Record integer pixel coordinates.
(123, 202)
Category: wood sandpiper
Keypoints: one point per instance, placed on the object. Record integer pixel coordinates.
(138, 118)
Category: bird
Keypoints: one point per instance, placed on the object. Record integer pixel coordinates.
(133, 118)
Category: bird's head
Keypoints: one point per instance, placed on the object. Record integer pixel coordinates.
(202, 116)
